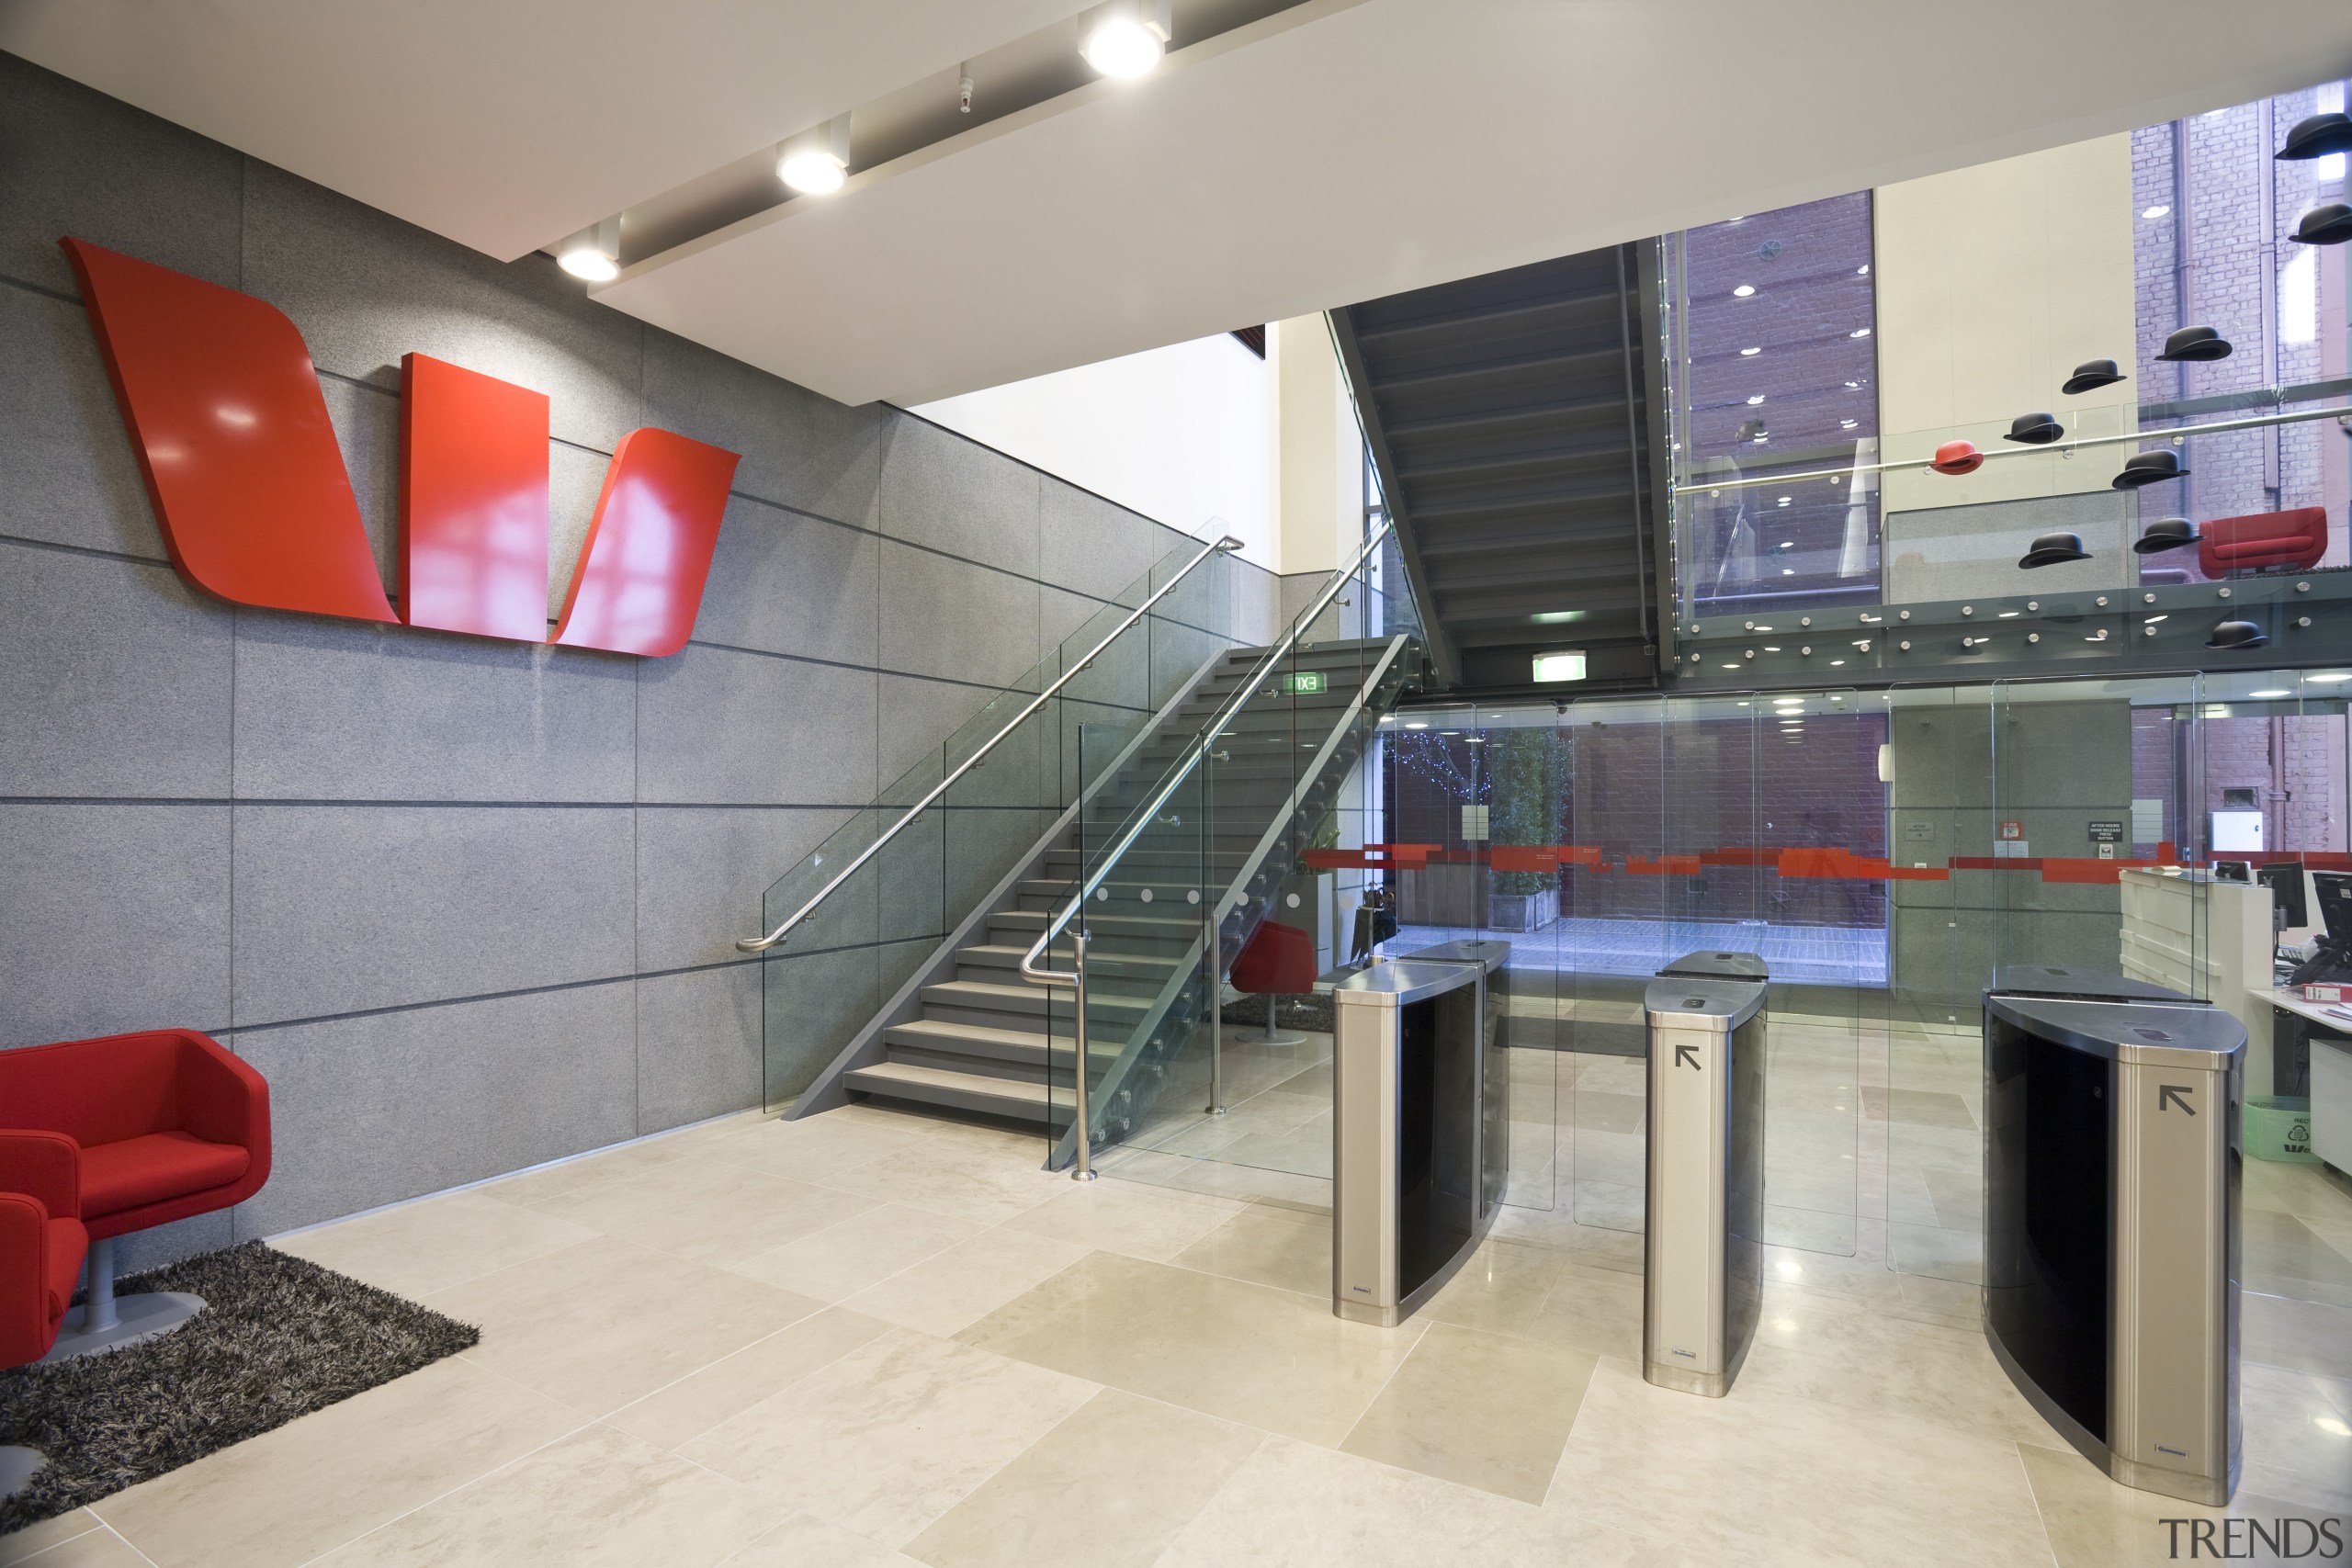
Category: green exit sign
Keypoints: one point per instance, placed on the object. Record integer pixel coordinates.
(1303, 683)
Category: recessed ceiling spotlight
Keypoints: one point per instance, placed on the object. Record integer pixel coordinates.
(593, 253)
(816, 162)
(1749, 352)
(1743, 291)
(2156, 213)
(1128, 36)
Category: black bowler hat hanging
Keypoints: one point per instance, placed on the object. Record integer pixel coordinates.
(2317, 137)
(2048, 549)
(2329, 225)
(2194, 346)
(2236, 633)
(2091, 374)
(2164, 534)
(2035, 429)
(2147, 468)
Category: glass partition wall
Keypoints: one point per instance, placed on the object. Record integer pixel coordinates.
(1889, 855)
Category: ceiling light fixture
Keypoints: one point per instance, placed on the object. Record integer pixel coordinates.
(1859, 332)
(2271, 694)
(1743, 291)
(1754, 401)
(1846, 424)
(1749, 352)
(2158, 211)
(816, 162)
(1128, 38)
(2327, 679)
(594, 254)
(1551, 667)
(1863, 270)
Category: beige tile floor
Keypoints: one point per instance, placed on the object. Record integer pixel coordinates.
(920, 1348)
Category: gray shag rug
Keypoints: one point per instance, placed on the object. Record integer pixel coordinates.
(278, 1338)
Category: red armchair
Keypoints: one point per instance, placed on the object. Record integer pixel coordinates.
(41, 1240)
(41, 1243)
(168, 1123)
(2293, 540)
(1277, 961)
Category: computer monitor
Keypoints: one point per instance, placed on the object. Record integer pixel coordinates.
(2285, 880)
(2335, 891)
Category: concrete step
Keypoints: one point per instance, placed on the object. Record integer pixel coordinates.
(1101, 963)
(1021, 999)
(1018, 1099)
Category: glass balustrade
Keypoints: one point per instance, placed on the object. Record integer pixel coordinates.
(1201, 843)
(831, 976)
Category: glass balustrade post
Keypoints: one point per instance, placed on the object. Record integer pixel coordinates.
(1082, 1123)
(1212, 959)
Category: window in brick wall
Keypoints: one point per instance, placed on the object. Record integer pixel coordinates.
(1778, 366)
(2214, 213)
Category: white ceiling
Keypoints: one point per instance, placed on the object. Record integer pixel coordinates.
(506, 124)
(1342, 150)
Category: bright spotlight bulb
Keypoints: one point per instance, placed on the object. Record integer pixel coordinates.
(593, 254)
(589, 262)
(1122, 47)
(812, 171)
(816, 162)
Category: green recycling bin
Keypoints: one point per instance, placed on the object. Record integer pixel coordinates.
(2279, 1128)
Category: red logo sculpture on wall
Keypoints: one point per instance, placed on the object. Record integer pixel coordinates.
(232, 434)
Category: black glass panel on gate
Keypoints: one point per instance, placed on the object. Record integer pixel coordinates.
(1437, 1106)
(2046, 1195)
(1743, 1180)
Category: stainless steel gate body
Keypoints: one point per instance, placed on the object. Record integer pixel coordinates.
(2112, 1229)
(1702, 1276)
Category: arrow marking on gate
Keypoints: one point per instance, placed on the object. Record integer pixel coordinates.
(1685, 1056)
(2171, 1094)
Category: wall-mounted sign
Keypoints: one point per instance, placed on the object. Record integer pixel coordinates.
(225, 416)
(1304, 684)
(1918, 831)
(2013, 829)
(2107, 832)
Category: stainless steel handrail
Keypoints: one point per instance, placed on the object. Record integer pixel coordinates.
(1146, 815)
(762, 943)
